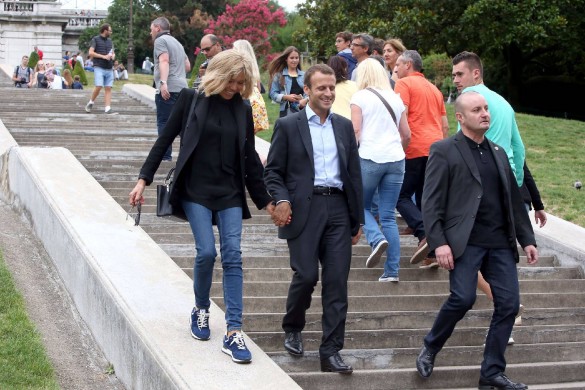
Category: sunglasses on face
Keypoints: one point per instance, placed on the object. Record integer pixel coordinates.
(206, 49)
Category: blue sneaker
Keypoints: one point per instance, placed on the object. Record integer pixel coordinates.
(199, 322)
(235, 346)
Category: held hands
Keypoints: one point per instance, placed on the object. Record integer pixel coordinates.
(135, 196)
(281, 214)
(445, 257)
(293, 98)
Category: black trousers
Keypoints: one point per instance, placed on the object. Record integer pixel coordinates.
(326, 238)
(413, 183)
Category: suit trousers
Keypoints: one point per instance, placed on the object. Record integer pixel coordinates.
(326, 238)
(413, 183)
(498, 267)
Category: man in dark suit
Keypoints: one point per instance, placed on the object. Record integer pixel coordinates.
(473, 213)
(313, 174)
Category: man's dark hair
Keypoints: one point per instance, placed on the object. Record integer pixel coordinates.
(367, 40)
(321, 68)
(415, 58)
(345, 35)
(471, 59)
(339, 66)
(378, 45)
(104, 27)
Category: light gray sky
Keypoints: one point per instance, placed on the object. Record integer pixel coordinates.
(288, 5)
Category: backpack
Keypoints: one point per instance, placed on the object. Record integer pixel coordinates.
(28, 72)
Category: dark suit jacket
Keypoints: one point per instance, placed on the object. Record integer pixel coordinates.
(190, 128)
(290, 170)
(453, 191)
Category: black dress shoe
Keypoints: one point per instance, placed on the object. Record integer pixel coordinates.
(425, 362)
(293, 343)
(335, 363)
(501, 382)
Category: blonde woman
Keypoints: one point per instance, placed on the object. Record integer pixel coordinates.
(217, 162)
(382, 137)
(256, 100)
(393, 48)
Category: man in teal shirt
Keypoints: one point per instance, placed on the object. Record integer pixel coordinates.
(468, 76)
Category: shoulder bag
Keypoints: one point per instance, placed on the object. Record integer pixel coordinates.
(390, 110)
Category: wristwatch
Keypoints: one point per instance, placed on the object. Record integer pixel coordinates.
(163, 82)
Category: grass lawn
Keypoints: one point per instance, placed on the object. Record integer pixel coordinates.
(23, 361)
(554, 152)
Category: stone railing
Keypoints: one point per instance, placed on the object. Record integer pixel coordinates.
(83, 18)
(18, 6)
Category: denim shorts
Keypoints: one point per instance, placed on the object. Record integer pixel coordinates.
(103, 77)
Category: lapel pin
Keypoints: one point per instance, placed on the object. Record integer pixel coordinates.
(497, 148)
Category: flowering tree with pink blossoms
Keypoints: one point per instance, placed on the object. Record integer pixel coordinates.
(253, 20)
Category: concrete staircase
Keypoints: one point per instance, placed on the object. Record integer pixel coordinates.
(386, 322)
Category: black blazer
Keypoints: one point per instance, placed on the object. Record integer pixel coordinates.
(190, 128)
(453, 191)
(290, 170)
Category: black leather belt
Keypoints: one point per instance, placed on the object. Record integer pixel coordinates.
(321, 190)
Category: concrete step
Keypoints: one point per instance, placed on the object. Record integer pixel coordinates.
(362, 320)
(442, 378)
(406, 274)
(385, 302)
(375, 288)
(404, 358)
(413, 338)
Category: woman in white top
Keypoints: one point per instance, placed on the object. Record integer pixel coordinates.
(382, 141)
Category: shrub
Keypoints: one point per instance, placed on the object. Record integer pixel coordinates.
(78, 70)
(33, 58)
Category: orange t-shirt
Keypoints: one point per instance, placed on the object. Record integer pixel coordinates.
(425, 108)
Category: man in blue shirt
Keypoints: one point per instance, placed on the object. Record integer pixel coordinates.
(313, 174)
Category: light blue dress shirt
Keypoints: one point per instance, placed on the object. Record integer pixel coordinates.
(325, 154)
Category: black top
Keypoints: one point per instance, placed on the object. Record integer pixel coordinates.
(211, 174)
(295, 88)
(490, 229)
(530, 192)
(102, 45)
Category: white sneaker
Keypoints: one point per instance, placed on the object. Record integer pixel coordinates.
(511, 341)
(385, 278)
(88, 107)
(518, 319)
(376, 254)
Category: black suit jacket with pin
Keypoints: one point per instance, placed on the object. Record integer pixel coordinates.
(453, 191)
(290, 170)
(190, 128)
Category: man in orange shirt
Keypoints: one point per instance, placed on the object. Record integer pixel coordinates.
(427, 118)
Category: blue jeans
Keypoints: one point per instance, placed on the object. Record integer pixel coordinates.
(163, 111)
(103, 77)
(498, 267)
(387, 179)
(229, 225)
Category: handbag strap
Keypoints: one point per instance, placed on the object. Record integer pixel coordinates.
(390, 110)
(193, 104)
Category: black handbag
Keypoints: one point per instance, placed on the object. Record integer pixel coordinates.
(164, 208)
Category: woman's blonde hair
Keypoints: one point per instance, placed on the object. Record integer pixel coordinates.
(225, 66)
(371, 74)
(243, 46)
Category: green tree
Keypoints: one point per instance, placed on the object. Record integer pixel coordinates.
(518, 40)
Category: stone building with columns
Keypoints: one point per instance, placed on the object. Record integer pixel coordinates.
(26, 24)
